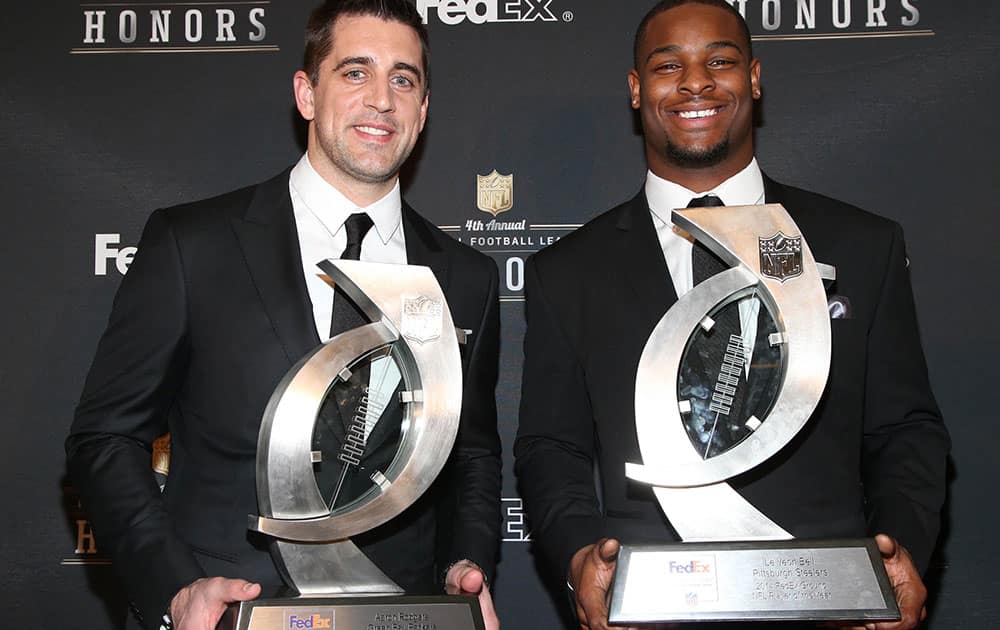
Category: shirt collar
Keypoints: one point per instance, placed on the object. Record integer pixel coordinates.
(332, 208)
(745, 188)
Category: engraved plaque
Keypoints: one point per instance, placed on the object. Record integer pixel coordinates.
(828, 580)
(356, 613)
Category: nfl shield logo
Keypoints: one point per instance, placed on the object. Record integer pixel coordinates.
(495, 192)
(781, 257)
(421, 319)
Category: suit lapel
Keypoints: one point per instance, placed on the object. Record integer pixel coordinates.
(637, 248)
(422, 248)
(270, 246)
(773, 191)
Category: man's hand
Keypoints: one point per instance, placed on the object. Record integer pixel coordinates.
(200, 604)
(906, 584)
(465, 578)
(590, 574)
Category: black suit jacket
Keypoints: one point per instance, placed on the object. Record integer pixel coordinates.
(871, 459)
(213, 312)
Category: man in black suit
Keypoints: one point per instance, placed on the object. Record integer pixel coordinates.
(224, 297)
(871, 459)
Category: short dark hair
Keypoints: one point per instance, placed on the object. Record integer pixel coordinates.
(319, 29)
(666, 5)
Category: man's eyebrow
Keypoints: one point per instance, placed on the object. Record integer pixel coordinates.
(725, 43)
(368, 61)
(352, 61)
(673, 48)
(662, 50)
(402, 65)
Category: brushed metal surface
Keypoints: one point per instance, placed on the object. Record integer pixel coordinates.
(312, 549)
(801, 313)
(330, 568)
(690, 488)
(735, 563)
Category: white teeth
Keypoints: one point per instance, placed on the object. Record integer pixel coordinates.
(701, 113)
(373, 131)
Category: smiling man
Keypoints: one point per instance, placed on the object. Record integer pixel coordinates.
(871, 459)
(224, 297)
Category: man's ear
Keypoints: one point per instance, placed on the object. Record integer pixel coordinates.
(755, 77)
(423, 109)
(302, 86)
(634, 88)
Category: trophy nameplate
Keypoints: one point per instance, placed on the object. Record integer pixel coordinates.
(391, 435)
(356, 613)
(729, 375)
(815, 580)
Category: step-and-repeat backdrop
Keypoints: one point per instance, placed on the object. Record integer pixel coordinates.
(110, 110)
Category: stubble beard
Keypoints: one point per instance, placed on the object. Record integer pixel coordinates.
(697, 158)
(341, 157)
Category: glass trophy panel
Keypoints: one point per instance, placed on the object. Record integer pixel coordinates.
(359, 430)
(729, 376)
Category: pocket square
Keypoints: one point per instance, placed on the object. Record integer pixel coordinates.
(840, 307)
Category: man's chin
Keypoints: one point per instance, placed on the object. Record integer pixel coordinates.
(697, 157)
(376, 178)
(364, 164)
(375, 173)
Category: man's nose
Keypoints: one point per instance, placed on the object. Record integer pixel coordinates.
(696, 79)
(380, 97)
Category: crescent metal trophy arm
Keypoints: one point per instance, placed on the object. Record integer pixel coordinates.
(800, 313)
(410, 320)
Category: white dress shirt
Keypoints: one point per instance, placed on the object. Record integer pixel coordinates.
(745, 188)
(320, 211)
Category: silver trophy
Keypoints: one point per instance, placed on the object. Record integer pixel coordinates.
(730, 374)
(353, 435)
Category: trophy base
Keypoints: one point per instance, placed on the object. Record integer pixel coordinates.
(806, 580)
(377, 612)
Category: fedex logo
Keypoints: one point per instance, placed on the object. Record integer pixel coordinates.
(105, 251)
(296, 622)
(452, 12)
(695, 566)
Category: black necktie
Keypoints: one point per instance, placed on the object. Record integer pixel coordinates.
(357, 225)
(345, 316)
(336, 479)
(724, 336)
(704, 264)
(707, 201)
